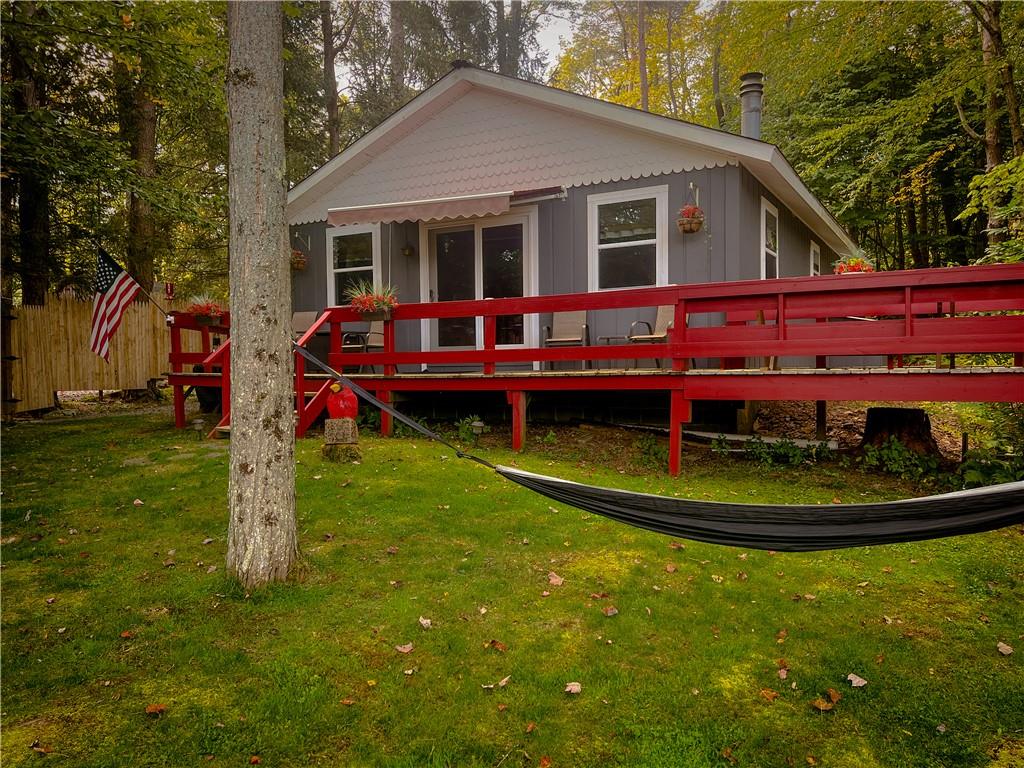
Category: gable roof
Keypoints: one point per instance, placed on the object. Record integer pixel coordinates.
(467, 134)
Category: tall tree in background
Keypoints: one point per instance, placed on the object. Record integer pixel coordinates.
(262, 542)
(336, 35)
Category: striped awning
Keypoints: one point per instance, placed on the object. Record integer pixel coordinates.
(437, 209)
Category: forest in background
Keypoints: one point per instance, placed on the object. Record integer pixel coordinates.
(904, 118)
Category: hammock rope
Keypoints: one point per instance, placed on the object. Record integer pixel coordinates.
(778, 527)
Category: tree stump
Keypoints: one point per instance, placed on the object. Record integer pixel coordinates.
(341, 440)
(911, 426)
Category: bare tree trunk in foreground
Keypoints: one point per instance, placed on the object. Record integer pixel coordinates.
(261, 492)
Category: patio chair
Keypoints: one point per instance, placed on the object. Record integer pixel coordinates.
(568, 329)
(657, 335)
(301, 321)
(371, 340)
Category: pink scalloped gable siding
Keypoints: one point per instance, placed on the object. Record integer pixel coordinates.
(485, 141)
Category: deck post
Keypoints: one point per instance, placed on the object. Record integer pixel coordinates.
(490, 339)
(387, 426)
(389, 348)
(518, 402)
(678, 336)
(179, 390)
(680, 413)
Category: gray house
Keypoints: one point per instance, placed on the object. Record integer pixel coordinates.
(486, 186)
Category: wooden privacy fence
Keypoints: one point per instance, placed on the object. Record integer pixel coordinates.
(47, 350)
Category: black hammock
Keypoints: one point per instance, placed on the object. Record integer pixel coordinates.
(779, 527)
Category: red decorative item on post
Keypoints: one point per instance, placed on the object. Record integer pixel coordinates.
(342, 403)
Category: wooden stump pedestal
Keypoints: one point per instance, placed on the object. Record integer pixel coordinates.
(341, 440)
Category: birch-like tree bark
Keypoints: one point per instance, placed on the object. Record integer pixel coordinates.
(261, 530)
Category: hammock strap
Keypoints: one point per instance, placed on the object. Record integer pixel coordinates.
(378, 403)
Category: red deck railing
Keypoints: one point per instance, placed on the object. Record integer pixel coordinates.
(891, 314)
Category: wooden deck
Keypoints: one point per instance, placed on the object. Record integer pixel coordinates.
(743, 327)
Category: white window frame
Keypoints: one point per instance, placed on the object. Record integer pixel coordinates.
(815, 269)
(766, 208)
(660, 241)
(343, 231)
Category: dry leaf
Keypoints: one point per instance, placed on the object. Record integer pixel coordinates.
(834, 695)
(670, 568)
(409, 672)
(502, 707)
(598, 595)
(348, 702)
(482, 609)
(504, 681)
(138, 502)
(127, 634)
(717, 579)
(573, 688)
(211, 569)
(407, 648)
(496, 645)
(545, 593)
(51, 600)
(531, 727)
(425, 623)
(727, 754)
(207, 541)
(741, 576)
(545, 762)
(392, 550)
(769, 694)
(40, 748)
(676, 545)
(821, 705)
(155, 710)
(555, 580)
(1003, 648)
(781, 635)
(255, 760)
(856, 680)
(609, 610)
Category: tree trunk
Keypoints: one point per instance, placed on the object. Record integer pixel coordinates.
(396, 54)
(917, 256)
(137, 124)
(672, 105)
(501, 36)
(901, 251)
(514, 44)
(994, 54)
(262, 541)
(911, 426)
(35, 258)
(330, 79)
(641, 53)
(716, 85)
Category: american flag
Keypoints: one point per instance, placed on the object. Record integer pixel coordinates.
(115, 290)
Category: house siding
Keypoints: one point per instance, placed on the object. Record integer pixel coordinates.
(727, 247)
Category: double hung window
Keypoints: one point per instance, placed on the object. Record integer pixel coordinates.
(628, 238)
(353, 255)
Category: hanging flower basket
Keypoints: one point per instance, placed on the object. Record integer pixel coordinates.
(690, 219)
(298, 260)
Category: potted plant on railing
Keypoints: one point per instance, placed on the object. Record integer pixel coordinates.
(206, 311)
(372, 302)
(690, 218)
(853, 265)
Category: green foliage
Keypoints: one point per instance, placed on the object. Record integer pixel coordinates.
(470, 428)
(1001, 190)
(896, 459)
(651, 451)
(999, 455)
(775, 453)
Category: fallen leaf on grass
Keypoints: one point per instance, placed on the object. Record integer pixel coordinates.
(545, 593)
(676, 545)
(40, 748)
(610, 610)
(741, 576)
(392, 550)
(856, 680)
(727, 754)
(155, 710)
(670, 568)
(496, 645)
(504, 681)
(127, 634)
(573, 688)
(598, 595)
(138, 502)
(781, 635)
(207, 541)
(348, 702)
(545, 762)
(502, 707)
(531, 727)
(425, 623)
(824, 706)
(409, 672)
(555, 580)
(1003, 648)
(407, 648)
(717, 579)
(255, 760)
(211, 569)
(769, 694)
(51, 600)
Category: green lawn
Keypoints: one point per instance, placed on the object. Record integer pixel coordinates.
(109, 607)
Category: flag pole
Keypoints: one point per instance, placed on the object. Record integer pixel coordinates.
(148, 296)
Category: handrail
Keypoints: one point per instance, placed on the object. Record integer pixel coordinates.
(311, 331)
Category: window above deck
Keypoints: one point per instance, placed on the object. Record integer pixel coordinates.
(627, 235)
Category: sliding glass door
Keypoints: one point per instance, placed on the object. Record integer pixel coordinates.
(481, 260)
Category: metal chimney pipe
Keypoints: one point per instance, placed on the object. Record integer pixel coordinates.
(751, 92)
